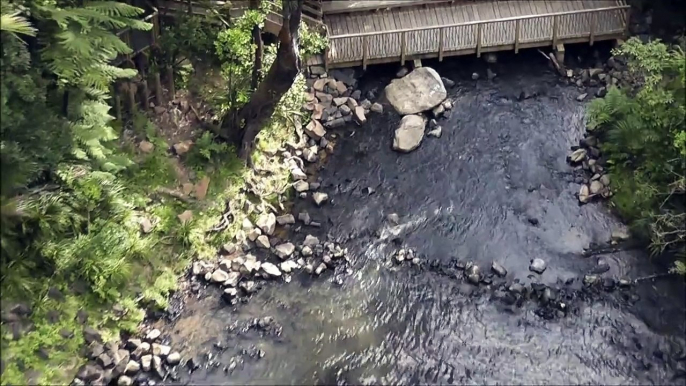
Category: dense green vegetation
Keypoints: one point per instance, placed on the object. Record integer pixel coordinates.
(75, 188)
(644, 140)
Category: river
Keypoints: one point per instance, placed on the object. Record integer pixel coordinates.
(472, 195)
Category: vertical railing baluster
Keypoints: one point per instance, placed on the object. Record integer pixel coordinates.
(440, 44)
(478, 39)
(365, 53)
(402, 48)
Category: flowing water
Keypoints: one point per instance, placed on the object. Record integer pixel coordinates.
(470, 196)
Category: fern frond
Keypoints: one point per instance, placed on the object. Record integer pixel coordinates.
(114, 9)
(16, 24)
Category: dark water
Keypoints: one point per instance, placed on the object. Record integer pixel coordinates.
(467, 195)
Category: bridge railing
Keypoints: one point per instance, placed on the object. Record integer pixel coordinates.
(312, 14)
(513, 32)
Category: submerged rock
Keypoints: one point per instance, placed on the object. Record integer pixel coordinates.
(174, 358)
(301, 186)
(271, 269)
(420, 90)
(409, 135)
(436, 133)
(153, 334)
(219, 276)
(538, 265)
(284, 250)
(620, 235)
(320, 268)
(596, 187)
(584, 194)
(578, 155)
(473, 273)
(320, 198)
(285, 219)
(498, 269)
(263, 242)
(311, 241)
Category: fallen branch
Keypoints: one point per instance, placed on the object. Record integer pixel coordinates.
(553, 60)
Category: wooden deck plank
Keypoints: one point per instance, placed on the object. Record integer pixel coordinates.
(433, 16)
(391, 20)
(398, 20)
(440, 17)
(496, 8)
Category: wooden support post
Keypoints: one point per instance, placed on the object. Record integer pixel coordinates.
(326, 58)
(144, 94)
(131, 97)
(560, 54)
(116, 101)
(402, 48)
(592, 37)
(479, 28)
(441, 32)
(365, 53)
(417, 63)
(517, 29)
(555, 27)
(155, 29)
(159, 94)
(170, 82)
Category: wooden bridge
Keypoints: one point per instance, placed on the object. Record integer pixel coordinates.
(363, 33)
(368, 32)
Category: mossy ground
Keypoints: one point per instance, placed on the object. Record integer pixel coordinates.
(170, 247)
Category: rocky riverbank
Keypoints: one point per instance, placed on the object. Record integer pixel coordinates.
(474, 240)
(307, 240)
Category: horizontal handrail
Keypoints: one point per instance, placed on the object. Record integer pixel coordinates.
(514, 18)
(239, 8)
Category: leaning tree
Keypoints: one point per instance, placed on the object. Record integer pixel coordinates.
(282, 73)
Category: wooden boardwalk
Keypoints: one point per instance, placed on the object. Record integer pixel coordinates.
(437, 29)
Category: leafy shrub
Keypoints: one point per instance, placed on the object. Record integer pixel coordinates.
(644, 142)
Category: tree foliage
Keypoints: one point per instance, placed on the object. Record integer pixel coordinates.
(71, 199)
(64, 215)
(644, 141)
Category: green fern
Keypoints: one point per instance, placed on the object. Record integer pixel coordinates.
(16, 24)
(644, 143)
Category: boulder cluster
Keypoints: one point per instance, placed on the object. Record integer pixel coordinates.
(134, 361)
(587, 156)
(420, 97)
(333, 101)
(239, 272)
(598, 79)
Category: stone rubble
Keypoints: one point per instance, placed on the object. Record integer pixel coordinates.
(335, 102)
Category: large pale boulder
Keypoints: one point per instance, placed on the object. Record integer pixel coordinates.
(420, 90)
(409, 134)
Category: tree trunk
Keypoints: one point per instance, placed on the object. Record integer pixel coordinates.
(259, 109)
(259, 50)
